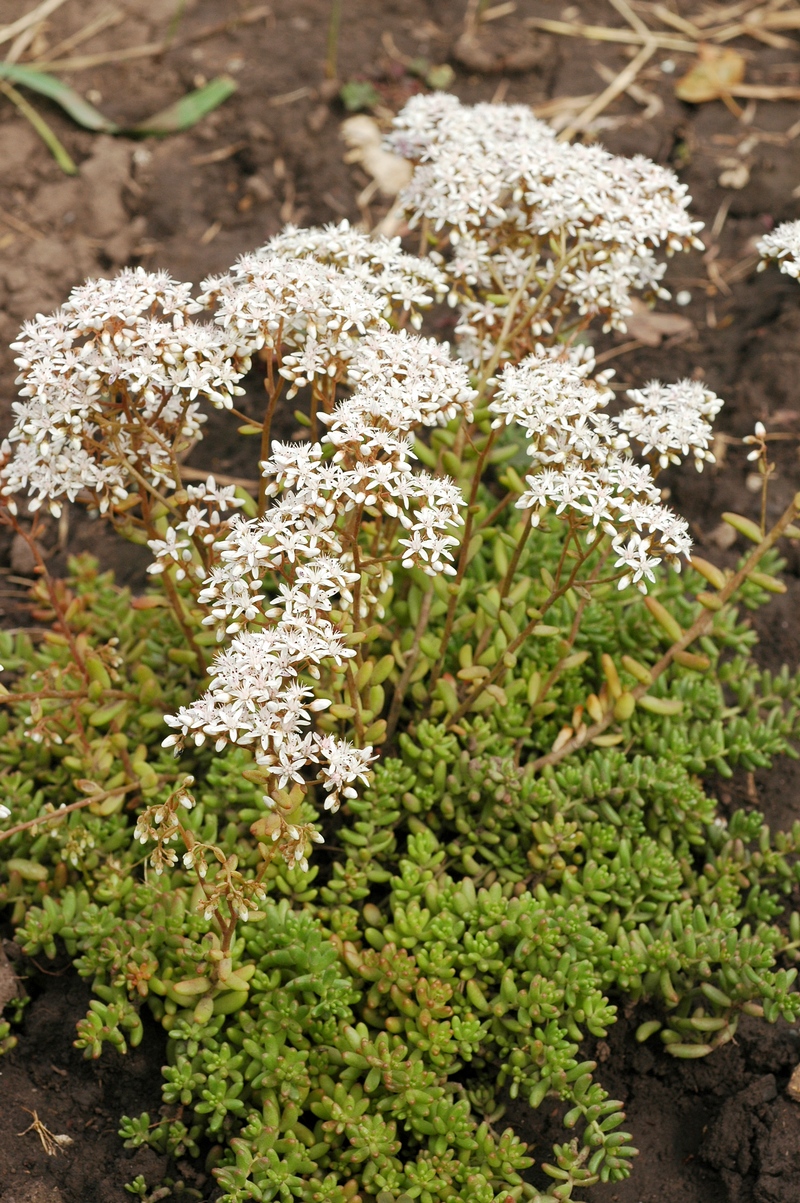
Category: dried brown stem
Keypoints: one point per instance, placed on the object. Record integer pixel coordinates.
(57, 815)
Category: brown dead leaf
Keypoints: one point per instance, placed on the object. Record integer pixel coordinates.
(650, 327)
(716, 70)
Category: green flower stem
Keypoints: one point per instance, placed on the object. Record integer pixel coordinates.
(514, 561)
(701, 626)
(355, 699)
(52, 593)
(412, 655)
(170, 588)
(461, 569)
(507, 581)
(492, 517)
(518, 642)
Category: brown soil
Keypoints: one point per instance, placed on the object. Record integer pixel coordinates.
(721, 1131)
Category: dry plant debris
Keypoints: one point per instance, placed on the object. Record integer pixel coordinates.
(712, 76)
(716, 74)
(389, 172)
(52, 1143)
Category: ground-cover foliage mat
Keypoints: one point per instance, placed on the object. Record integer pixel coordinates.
(442, 704)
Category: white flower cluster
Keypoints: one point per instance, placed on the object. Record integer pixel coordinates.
(257, 699)
(584, 464)
(308, 539)
(111, 384)
(313, 294)
(782, 245)
(571, 225)
(203, 522)
(406, 282)
(671, 420)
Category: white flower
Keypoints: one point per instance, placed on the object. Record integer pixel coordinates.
(168, 551)
(566, 229)
(584, 463)
(670, 419)
(113, 379)
(404, 282)
(782, 245)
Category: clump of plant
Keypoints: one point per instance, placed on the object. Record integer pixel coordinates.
(446, 649)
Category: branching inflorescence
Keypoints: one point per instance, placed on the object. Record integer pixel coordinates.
(425, 622)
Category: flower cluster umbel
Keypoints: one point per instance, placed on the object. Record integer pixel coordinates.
(583, 459)
(111, 388)
(534, 239)
(543, 236)
(783, 247)
(345, 508)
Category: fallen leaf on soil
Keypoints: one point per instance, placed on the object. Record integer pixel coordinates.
(179, 116)
(650, 327)
(363, 135)
(55, 89)
(715, 72)
(187, 111)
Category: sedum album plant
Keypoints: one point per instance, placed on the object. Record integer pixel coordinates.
(398, 779)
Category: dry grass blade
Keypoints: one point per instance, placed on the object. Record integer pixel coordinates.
(22, 42)
(288, 97)
(650, 101)
(470, 21)
(622, 81)
(783, 21)
(563, 104)
(766, 91)
(675, 22)
(22, 227)
(85, 61)
(741, 30)
(742, 269)
(106, 20)
(498, 10)
(246, 18)
(217, 156)
(606, 33)
(8, 32)
(714, 15)
(626, 12)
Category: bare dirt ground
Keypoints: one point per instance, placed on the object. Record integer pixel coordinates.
(721, 1131)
